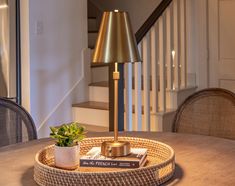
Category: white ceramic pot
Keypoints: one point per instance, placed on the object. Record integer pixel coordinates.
(67, 157)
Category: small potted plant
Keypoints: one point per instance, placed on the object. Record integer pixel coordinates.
(67, 146)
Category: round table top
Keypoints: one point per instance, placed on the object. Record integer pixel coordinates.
(200, 160)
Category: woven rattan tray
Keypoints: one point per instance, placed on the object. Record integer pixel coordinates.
(159, 168)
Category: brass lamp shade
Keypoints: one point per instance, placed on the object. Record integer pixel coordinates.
(116, 42)
(3, 2)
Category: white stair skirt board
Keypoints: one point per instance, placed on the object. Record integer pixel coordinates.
(99, 74)
(163, 120)
(191, 79)
(94, 117)
(176, 97)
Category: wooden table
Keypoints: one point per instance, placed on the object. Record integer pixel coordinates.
(200, 160)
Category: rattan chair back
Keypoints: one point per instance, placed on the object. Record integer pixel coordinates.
(16, 125)
(207, 112)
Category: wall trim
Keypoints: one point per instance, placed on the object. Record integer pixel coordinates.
(84, 76)
(25, 54)
(202, 59)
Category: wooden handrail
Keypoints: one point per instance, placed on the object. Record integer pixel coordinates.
(151, 20)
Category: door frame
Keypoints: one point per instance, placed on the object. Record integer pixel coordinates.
(18, 53)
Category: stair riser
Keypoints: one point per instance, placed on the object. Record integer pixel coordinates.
(92, 24)
(100, 94)
(173, 98)
(92, 39)
(159, 122)
(91, 116)
(99, 74)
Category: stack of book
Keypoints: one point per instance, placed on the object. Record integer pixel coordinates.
(137, 158)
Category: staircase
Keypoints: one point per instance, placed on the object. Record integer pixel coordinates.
(92, 31)
(153, 89)
(93, 23)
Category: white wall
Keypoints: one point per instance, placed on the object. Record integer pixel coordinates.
(12, 47)
(139, 10)
(197, 41)
(25, 54)
(57, 36)
(4, 51)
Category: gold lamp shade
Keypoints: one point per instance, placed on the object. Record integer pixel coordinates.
(3, 4)
(116, 42)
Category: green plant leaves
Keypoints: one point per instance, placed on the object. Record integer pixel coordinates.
(68, 135)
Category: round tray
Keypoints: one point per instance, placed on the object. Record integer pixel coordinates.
(159, 168)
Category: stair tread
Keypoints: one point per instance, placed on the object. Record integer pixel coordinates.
(93, 105)
(93, 31)
(105, 106)
(100, 84)
(95, 128)
(91, 17)
(92, 128)
(95, 65)
(91, 47)
(106, 84)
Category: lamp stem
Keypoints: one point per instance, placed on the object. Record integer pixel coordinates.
(116, 77)
(115, 148)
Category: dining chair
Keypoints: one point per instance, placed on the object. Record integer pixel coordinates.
(207, 112)
(16, 124)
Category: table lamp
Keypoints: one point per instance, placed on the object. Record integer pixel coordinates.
(3, 4)
(115, 44)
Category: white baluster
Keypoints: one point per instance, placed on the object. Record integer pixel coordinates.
(154, 68)
(128, 96)
(154, 74)
(182, 45)
(162, 93)
(176, 45)
(146, 81)
(169, 49)
(138, 95)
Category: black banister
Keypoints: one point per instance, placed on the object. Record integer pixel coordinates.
(18, 53)
(151, 20)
